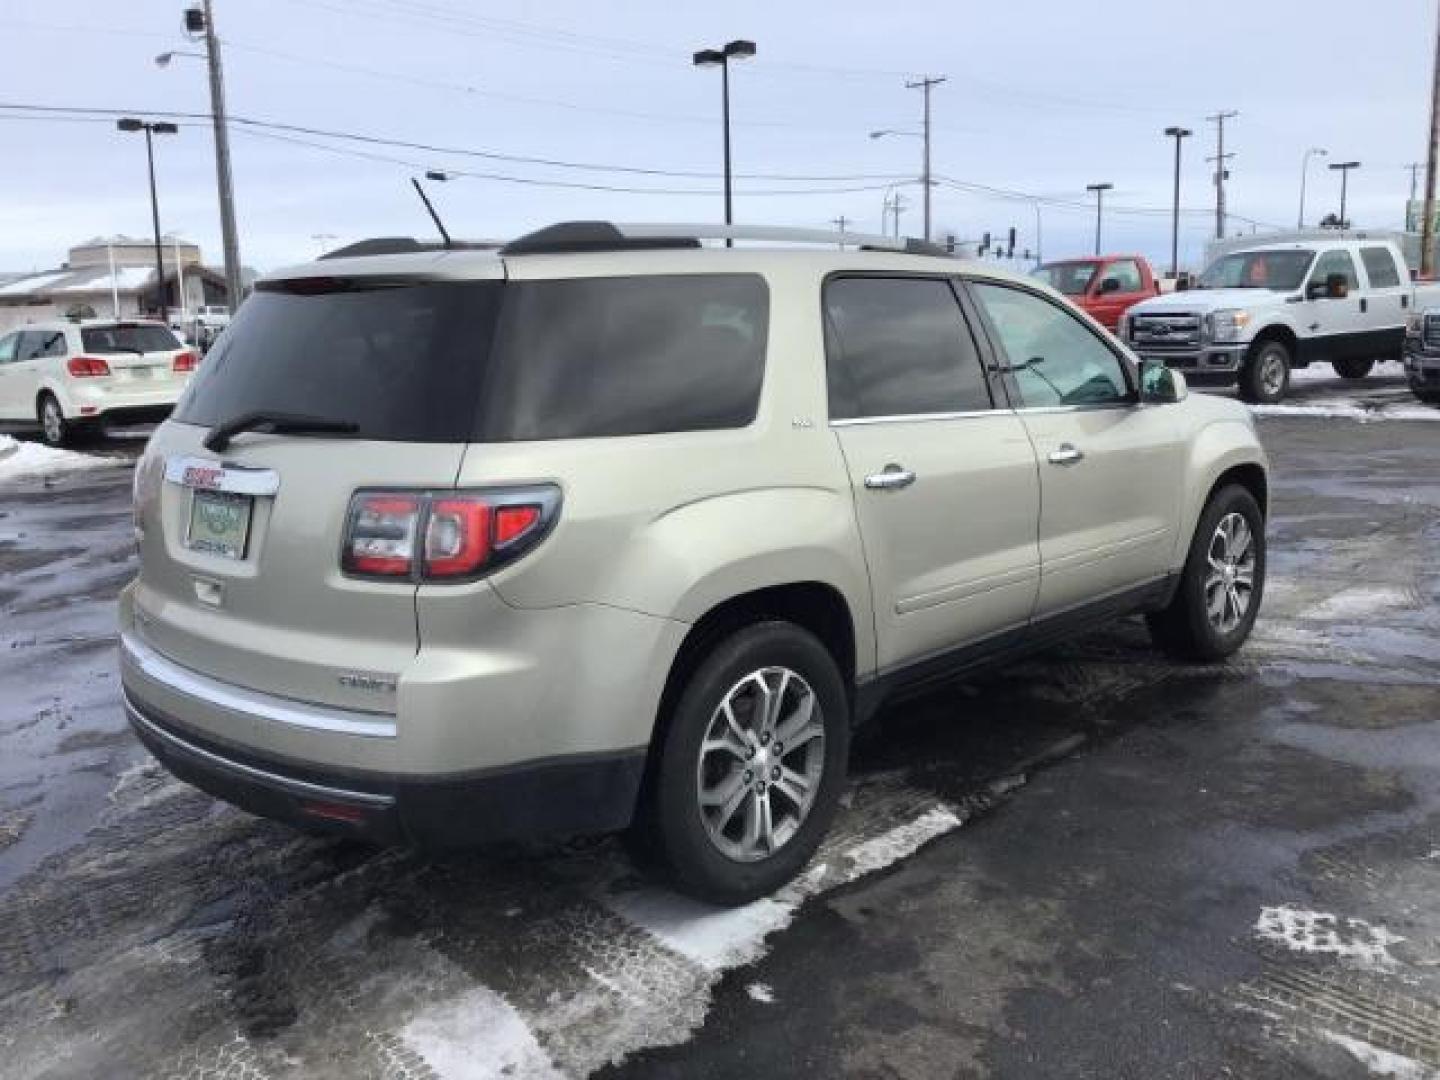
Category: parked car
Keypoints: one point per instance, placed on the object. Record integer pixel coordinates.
(1105, 287)
(1422, 355)
(72, 376)
(611, 530)
(1255, 315)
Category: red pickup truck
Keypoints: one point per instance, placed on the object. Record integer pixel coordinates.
(1104, 286)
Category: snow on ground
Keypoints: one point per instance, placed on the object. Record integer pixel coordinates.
(1383, 1062)
(1314, 932)
(35, 459)
(1348, 410)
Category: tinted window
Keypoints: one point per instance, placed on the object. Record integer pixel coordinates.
(1127, 273)
(1379, 267)
(1278, 270)
(1070, 278)
(627, 356)
(1337, 261)
(1055, 358)
(128, 338)
(402, 361)
(899, 347)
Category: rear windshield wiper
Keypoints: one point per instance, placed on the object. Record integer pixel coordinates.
(275, 423)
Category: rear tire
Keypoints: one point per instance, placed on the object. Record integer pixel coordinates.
(1426, 395)
(1352, 368)
(1213, 610)
(1265, 376)
(54, 428)
(730, 816)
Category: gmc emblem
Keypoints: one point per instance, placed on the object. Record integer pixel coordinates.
(198, 476)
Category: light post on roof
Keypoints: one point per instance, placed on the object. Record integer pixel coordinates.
(733, 50)
(157, 127)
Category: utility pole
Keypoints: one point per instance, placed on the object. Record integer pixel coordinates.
(1099, 190)
(197, 20)
(1179, 134)
(1222, 173)
(840, 223)
(893, 205)
(925, 85)
(1427, 228)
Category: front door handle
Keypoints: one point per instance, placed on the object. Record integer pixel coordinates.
(892, 477)
(1067, 454)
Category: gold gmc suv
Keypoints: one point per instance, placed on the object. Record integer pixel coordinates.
(612, 529)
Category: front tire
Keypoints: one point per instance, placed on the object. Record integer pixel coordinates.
(1265, 377)
(1425, 394)
(1222, 585)
(1353, 368)
(752, 765)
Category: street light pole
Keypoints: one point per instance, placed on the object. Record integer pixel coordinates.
(737, 50)
(925, 85)
(1343, 168)
(1314, 151)
(1178, 134)
(130, 124)
(1099, 190)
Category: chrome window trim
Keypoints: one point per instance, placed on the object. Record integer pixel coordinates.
(267, 707)
(1097, 406)
(903, 418)
(287, 783)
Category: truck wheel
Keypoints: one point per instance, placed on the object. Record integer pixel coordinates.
(1425, 394)
(1266, 374)
(1352, 368)
(752, 765)
(1223, 582)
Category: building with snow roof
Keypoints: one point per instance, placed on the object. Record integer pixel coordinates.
(113, 277)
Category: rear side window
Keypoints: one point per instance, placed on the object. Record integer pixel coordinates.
(586, 357)
(402, 361)
(1379, 267)
(899, 347)
(127, 338)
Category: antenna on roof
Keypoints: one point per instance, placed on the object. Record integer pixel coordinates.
(440, 225)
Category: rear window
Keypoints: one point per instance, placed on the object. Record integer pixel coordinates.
(627, 356)
(1380, 267)
(490, 361)
(128, 338)
(401, 361)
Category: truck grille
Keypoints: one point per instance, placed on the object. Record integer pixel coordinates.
(1430, 333)
(1157, 332)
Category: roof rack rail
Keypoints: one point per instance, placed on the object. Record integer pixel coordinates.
(570, 237)
(402, 245)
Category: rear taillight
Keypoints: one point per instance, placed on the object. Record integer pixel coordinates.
(86, 367)
(185, 361)
(444, 535)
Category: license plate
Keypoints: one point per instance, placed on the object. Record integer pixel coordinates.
(141, 372)
(219, 523)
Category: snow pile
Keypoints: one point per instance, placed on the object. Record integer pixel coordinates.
(1348, 410)
(34, 459)
(1353, 940)
(1383, 1062)
(478, 1034)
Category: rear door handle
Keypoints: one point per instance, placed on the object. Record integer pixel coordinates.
(892, 477)
(1364, 305)
(1066, 455)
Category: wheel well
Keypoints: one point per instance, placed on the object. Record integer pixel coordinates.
(1251, 478)
(817, 607)
(40, 400)
(1276, 333)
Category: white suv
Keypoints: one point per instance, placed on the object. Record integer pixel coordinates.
(71, 376)
(611, 529)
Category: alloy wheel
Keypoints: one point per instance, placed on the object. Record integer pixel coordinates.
(760, 764)
(1230, 576)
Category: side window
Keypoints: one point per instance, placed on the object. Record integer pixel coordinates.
(899, 347)
(1337, 261)
(1054, 357)
(590, 357)
(8, 345)
(29, 346)
(1380, 267)
(51, 343)
(1127, 273)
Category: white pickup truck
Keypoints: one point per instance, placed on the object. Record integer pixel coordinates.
(1257, 313)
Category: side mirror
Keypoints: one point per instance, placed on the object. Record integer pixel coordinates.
(1109, 285)
(1160, 385)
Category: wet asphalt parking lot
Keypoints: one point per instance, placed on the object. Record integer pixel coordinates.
(1097, 864)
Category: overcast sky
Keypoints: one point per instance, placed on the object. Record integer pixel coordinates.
(1041, 98)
